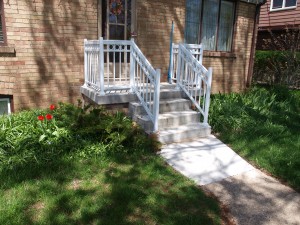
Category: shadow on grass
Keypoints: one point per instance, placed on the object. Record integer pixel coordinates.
(130, 190)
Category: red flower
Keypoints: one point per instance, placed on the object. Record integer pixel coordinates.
(52, 107)
(49, 116)
(41, 118)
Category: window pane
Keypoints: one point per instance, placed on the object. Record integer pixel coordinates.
(289, 3)
(116, 32)
(1, 31)
(3, 107)
(192, 21)
(225, 26)
(277, 4)
(209, 24)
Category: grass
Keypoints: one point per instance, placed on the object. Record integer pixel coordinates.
(93, 174)
(263, 126)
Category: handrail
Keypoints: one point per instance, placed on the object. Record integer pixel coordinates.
(194, 79)
(146, 84)
(119, 65)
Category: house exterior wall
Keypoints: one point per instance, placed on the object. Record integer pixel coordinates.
(43, 62)
(230, 70)
(278, 19)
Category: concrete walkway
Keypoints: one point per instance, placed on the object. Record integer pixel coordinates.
(251, 196)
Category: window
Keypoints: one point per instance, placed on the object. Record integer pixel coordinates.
(283, 4)
(5, 106)
(211, 23)
(2, 24)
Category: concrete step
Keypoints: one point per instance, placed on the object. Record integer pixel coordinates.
(178, 104)
(169, 119)
(181, 133)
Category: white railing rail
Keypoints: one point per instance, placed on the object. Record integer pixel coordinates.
(195, 49)
(146, 83)
(107, 65)
(119, 65)
(194, 79)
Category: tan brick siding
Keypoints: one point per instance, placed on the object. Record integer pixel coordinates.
(48, 39)
(154, 22)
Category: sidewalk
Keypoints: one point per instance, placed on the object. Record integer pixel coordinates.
(251, 196)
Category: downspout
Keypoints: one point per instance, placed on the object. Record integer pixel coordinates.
(253, 46)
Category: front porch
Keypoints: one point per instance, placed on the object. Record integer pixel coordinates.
(117, 72)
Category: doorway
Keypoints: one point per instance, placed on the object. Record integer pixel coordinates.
(116, 19)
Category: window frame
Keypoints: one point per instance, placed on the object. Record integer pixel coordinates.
(8, 100)
(218, 26)
(283, 7)
(2, 15)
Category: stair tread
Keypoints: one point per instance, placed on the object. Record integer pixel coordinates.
(173, 114)
(182, 128)
(163, 101)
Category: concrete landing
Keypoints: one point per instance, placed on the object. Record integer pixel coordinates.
(205, 161)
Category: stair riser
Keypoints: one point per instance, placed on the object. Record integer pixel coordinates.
(184, 136)
(169, 122)
(166, 95)
(137, 109)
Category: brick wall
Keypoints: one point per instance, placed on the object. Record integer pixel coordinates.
(154, 26)
(47, 37)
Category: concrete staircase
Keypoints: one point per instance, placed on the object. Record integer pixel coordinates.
(177, 121)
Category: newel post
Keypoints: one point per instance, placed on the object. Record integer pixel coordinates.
(85, 64)
(156, 100)
(207, 97)
(101, 65)
(132, 65)
(178, 70)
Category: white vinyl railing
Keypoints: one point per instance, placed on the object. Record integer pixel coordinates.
(116, 66)
(195, 49)
(194, 79)
(107, 65)
(146, 83)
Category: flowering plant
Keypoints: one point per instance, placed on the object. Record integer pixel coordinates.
(116, 7)
(46, 126)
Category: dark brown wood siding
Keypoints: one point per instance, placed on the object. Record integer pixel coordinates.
(278, 19)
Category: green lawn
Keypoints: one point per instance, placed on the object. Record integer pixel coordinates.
(262, 125)
(90, 167)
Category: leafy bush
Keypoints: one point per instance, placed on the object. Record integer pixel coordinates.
(280, 64)
(39, 136)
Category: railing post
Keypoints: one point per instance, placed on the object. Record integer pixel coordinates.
(132, 66)
(171, 69)
(156, 100)
(207, 97)
(178, 70)
(85, 64)
(101, 64)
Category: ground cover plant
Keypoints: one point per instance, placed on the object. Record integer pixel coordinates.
(68, 165)
(262, 125)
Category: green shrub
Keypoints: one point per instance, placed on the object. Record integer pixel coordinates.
(69, 130)
(277, 68)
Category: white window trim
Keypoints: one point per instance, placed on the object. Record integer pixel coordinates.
(283, 7)
(8, 104)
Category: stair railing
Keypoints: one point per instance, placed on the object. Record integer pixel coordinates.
(194, 79)
(195, 49)
(112, 66)
(145, 82)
